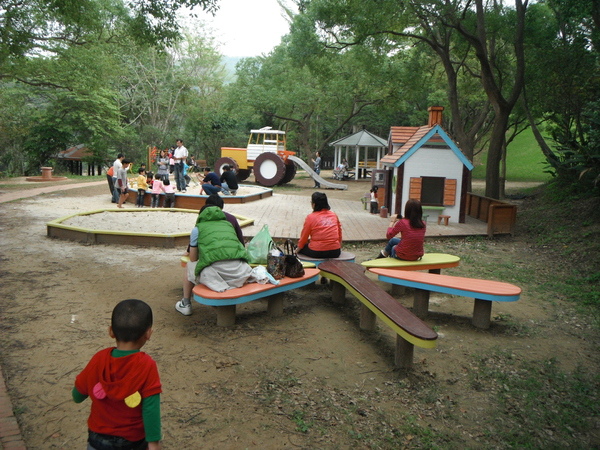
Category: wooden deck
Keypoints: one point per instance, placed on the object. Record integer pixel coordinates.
(285, 214)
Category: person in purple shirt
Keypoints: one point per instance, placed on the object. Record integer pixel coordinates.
(211, 183)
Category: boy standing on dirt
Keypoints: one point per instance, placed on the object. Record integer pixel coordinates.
(124, 385)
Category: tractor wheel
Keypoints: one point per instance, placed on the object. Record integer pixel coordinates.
(269, 169)
(243, 174)
(225, 161)
(290, 172)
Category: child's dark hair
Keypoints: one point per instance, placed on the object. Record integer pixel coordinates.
(130, 320)
(125, 161)
(319, 200)
(157, 176)
(141, 170)
(214, 200)
(413, 211)
(167, 182)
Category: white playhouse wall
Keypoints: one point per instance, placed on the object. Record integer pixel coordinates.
(434, 162)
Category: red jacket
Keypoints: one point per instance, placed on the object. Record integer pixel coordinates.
(410, 247)
(116, 387)
(324, 230)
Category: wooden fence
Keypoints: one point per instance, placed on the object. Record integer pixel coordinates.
(500, 216)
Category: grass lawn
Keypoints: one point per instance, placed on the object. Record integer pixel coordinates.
(524, 162)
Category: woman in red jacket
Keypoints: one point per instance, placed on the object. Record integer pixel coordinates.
(323, 228)
(409, 246)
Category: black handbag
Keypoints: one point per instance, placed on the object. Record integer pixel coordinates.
(293, 266)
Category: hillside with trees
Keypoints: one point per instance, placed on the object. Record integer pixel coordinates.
(120, 78)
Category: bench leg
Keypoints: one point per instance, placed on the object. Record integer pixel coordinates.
(397, 290)
(367, 319)
(338, 293)
(421, 303)
(404, 353)
(225, 315)
(275, 305)
(482, 313)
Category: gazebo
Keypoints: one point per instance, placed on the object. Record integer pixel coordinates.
(365, 140)
(74, 158)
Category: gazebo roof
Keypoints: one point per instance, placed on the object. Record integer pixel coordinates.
(363, 138)
(76, 153)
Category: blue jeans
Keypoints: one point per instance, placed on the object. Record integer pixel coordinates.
(226, 190)
(116, 191)
(210, 189)
(179, 178)
(389, 248)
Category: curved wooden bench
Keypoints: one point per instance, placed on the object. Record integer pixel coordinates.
(483, 291)
(227, 301)
(410, 330)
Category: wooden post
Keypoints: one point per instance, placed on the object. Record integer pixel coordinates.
(404, 353)
(275, 305)
(421, 303)
(225, 315)
(482, 313)
(367, 319)
(397, 290)
(338, 293)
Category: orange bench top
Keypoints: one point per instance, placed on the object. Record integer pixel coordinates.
(251, 291)
(448, 284)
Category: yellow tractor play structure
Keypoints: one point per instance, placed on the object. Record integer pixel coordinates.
(265, 154)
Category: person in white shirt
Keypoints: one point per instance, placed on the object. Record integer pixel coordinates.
(180, 156)
(116, 166)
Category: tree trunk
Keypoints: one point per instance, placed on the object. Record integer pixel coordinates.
(497, 141)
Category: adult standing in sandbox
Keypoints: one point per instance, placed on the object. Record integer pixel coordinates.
(117, 164)
(321, 235)
(180, 155)
(162, 161)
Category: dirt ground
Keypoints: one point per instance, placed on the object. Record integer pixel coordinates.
(308, 379)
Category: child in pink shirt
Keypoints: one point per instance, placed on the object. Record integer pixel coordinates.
(157, 187)
(169, 194)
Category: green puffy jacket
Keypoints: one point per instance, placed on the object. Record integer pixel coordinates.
(217, 239)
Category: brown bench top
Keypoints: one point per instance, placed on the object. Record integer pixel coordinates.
(387, 308)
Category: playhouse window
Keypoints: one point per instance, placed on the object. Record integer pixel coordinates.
(432, 191)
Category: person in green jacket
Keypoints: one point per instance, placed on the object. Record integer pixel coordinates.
(217, 257)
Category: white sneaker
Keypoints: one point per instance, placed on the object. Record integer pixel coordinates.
(186, 310)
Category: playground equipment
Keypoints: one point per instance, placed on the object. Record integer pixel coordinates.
(265, 154)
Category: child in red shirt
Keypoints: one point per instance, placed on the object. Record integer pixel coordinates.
(409, 246)
(124, 385)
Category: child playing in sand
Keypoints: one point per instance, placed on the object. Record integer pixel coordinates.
(169, 194)
(142, 185)
(123, 384)
(157, 187)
